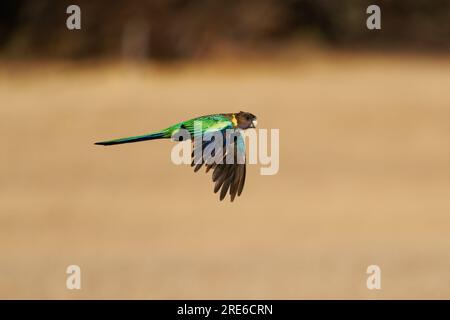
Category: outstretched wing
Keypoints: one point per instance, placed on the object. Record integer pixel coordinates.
(226, 157)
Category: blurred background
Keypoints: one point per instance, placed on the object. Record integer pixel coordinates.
(364, 139)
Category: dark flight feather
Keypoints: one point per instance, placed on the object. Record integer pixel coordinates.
(227, 178)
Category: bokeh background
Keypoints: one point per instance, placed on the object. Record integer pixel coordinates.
(364, 119)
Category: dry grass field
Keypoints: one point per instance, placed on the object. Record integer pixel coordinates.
(364, 179)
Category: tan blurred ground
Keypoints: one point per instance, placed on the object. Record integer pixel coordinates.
(364, 179)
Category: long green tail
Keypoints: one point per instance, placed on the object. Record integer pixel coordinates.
(163, 134)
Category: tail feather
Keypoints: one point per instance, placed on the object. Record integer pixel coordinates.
(150, 136)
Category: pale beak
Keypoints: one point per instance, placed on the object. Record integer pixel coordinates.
(254, 123)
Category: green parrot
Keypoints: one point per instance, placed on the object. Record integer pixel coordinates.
(228, 177)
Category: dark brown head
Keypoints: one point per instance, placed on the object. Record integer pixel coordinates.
(246, 120)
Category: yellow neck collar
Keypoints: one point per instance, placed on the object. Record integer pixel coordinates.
(233, 120)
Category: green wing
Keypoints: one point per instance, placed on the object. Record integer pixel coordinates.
(208, 124)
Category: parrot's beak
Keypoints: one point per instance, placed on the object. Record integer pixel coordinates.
(254, 123)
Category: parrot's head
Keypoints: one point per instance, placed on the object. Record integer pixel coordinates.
(246, 120)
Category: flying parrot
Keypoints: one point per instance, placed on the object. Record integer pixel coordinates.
(228, 177)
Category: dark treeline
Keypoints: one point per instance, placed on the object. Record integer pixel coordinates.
(175, 29)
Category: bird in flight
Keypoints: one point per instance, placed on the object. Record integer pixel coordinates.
(221, 147)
